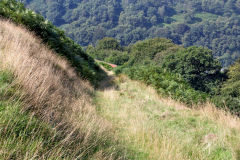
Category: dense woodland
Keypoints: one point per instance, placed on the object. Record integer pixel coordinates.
(214, 24)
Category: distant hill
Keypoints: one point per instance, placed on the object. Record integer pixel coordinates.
(214, 23)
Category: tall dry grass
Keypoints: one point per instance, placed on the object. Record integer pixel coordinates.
(56, 95)
(161, 129)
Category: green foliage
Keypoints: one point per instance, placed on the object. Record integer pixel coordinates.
(232, 86)
(117, 57)
(197, 66)
(230, 92)
(190, 75)
(108, 43)
(167, 83)
(149, 51)
(227, 102)
(108, 50)
(213, 23)
(105, 65)
(52, 36)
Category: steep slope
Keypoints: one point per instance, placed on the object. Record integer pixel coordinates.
(52, 37)
(161, 129)
(46, 110)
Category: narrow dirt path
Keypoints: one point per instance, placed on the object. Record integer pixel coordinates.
(108, 81)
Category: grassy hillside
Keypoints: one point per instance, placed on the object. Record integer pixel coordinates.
(53, 37)
(46, 110)
(50, 110)
(157, 128)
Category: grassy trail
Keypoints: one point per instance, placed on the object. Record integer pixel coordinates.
(160, 129)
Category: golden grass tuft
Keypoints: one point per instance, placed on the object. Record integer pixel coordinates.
(221, 116)
(54, 92)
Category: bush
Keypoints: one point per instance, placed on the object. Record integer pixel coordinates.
(167, 84)
(227, 102)
(108, 43)
(197, 66)
(108, 55)
(230, 92)
(147, 51)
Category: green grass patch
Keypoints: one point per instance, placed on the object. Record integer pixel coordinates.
(105, 65)
(179, 18)
(207, 16)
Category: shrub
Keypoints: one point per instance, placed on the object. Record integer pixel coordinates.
(230, 92)
(167, 84)
(108, 43)
(197, 66)
(111, 56)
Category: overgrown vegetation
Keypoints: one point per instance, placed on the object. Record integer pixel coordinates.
(51, 36)
(230, 92)
(108, 50)
(213, 23)
(47, 110)
(190, 75)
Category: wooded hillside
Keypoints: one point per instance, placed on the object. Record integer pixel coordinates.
(213, 23)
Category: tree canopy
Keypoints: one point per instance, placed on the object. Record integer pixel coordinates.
(213, 23)
(197, 66)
